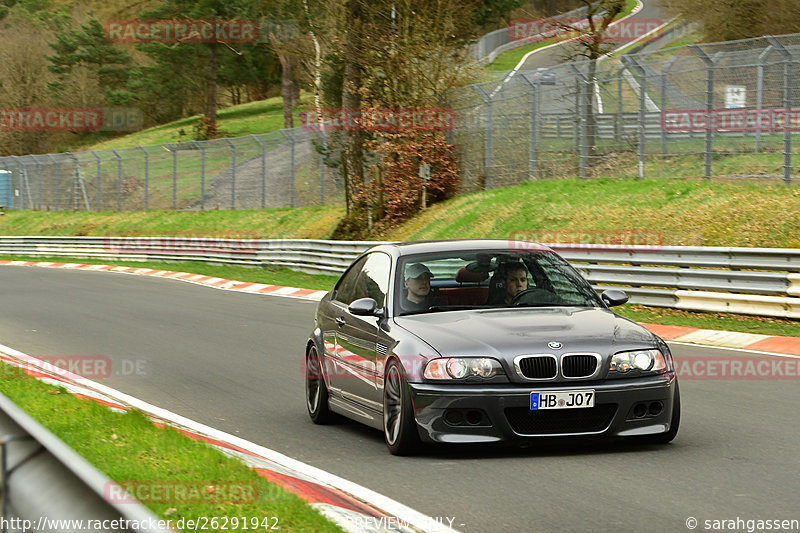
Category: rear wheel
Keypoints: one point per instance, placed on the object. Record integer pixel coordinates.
(316, 390)
(399, 426)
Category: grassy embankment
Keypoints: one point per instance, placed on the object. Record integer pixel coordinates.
(673, 212)
(185, 479)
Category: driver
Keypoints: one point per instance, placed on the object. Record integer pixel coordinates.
(515, 281)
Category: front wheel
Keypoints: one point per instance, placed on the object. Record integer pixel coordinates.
(399, 426)
(316, 390)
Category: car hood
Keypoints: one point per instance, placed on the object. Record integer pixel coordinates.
(511, 332)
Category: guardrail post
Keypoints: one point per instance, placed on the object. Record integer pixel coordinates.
(233, 172)
(291, 165)
(146, 177)
(99, 182)
(263, 171)
(119, 179)
(535, 109)
(709, 105)
(787, 106)
(487, 160)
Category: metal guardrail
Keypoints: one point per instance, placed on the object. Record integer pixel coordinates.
(47, 486)
(761, 281)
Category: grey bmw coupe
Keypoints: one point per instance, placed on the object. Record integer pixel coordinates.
(479, 341)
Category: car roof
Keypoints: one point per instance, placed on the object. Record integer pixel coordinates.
(418, 247)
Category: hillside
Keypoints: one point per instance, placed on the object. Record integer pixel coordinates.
(667, 212)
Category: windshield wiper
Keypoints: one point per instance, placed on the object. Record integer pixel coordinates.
(436, 308)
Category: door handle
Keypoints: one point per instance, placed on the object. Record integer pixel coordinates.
(340, 321)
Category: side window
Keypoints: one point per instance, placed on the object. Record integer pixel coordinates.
(373, 281)
(346, 285)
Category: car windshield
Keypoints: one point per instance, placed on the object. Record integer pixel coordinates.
(488, 279)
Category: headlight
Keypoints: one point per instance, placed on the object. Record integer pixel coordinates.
(462, 367)
(644, 360)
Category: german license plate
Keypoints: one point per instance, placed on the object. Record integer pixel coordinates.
(565, 399)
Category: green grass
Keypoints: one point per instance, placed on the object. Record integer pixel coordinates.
(305, 222)
(718, 321)
(263, 116)
(133, 451)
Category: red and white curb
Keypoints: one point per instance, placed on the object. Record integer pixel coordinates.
(705, 337)
(354, 508)
(728, 339)
(208, 281)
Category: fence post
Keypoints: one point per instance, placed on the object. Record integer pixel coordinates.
(56, 193)
(582, 109)
(534, 139)
(202, 147)
(664, 69)
(709, 105)
(38, 203)
(174, 153)
(146, 177)
(322, 168)
(291, 166)
(620, 109)
(233, 172)
(487, 157)
(119, 179)
(77, 184)
(263, 171)
(760, 93)
(99, 183)
(787, 105)
(631, 62)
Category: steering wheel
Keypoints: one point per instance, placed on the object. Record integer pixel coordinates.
(534, 295)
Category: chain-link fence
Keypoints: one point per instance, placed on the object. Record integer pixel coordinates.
(279, 169)
(714, 110)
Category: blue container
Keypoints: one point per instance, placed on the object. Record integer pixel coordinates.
(6, 196)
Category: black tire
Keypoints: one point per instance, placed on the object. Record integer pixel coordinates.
(675, 422)
(399, 426)
(316, 390)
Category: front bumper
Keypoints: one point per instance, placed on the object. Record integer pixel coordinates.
(450, 413)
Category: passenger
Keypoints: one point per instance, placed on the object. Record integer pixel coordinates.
(418, 295)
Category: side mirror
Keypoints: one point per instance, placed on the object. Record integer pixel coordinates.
(614, 297)
(363, 307)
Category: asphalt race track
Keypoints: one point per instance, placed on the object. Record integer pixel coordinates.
(233, 361)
